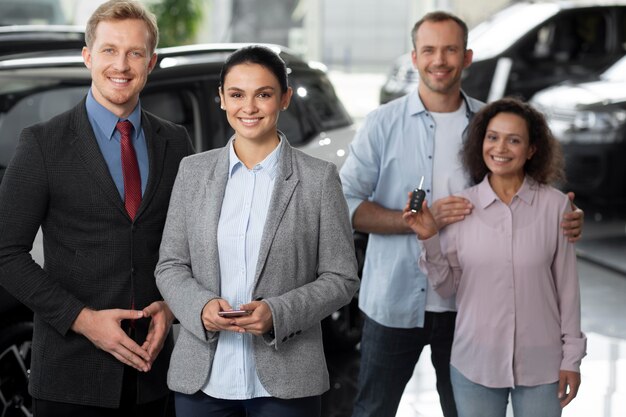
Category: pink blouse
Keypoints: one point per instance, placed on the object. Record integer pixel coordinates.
(516, 284)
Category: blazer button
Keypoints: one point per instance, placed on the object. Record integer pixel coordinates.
(291, 335)
(299, 331)
(285, 339)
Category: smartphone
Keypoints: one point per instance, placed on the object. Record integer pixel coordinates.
(234, 313)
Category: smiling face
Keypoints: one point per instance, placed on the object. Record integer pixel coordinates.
(506, 146)
(119, 61)
(440, 57)
(252, 98)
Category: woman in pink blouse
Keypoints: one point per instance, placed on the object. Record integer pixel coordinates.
(512, 269)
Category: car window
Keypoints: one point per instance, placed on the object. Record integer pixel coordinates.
(496, 34)
(179, 105)
(18, 113)
(31, 12)
(574, 36)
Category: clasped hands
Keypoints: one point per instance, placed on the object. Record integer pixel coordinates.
(258, 322)
(103, 329)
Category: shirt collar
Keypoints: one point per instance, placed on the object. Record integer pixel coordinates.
(269, 164)
(416, 106)
(106, 120)
(526, 193)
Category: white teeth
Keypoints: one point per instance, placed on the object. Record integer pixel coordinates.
(500, 159)
(119, 80)
(249, 120)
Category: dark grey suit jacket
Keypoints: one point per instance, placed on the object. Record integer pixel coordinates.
(95, 256)
(306, 269)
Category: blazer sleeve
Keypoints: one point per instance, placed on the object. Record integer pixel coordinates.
(24, 199)
(185, 296)
(336, 275)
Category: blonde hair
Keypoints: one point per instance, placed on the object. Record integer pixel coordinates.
(122, 10)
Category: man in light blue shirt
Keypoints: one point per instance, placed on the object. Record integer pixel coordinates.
(416, 136)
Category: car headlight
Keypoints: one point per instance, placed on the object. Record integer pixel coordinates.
(599, 121)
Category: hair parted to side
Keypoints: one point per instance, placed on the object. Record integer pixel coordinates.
(439, 16)
(546, 165)
(121, 10)
(261, 55)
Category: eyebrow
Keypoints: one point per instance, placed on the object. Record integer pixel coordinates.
(267, 87)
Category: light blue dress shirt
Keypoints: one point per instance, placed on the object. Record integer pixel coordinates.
(242, 219)
(103, 124)
(387, 158)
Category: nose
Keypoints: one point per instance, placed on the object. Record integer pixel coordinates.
(440, 57)
(250, 106)
(121, 63)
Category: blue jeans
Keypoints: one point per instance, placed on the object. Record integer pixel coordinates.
(202, 405)
(475, 400)
(388, 357)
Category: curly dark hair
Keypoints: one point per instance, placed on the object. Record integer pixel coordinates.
(546, 166)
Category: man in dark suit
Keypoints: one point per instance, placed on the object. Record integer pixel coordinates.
(97, 180)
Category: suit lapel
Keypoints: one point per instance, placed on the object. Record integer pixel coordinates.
(156, 144)
(283, 190)
(86, 146)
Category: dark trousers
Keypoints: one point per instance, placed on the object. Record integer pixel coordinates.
(128, 406)
(388, 357)
(202, 405)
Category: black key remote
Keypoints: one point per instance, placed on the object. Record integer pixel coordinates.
(417, 198)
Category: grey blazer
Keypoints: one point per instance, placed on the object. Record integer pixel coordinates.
(94, 254)
(306, 269)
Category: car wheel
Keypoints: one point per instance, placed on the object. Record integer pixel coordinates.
(15, 351)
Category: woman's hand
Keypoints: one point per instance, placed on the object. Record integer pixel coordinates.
(257, 323)
(569, 381)
(211, 320)
(422, 223)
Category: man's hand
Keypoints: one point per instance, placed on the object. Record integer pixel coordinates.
(569, 381)
(103, 329)
(572, 223)
(161, 319)
(450, 210)
(257, 323)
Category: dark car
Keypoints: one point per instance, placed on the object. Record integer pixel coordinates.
(589, 119)
(17, 39)
(529, 46)
(182, 88)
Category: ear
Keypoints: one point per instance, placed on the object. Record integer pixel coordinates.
(222, 100)
(531, 151)
(467, 59)
(285, 99)
(414, 58)
(152, 63)
(86, 57)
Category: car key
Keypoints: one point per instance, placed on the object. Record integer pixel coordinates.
(417, 197)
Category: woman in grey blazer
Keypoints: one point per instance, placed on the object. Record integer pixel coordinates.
(263, 228)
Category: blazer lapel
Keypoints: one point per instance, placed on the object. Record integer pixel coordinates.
(283, 190)
(156, 144)
(84, 142)
(211, 202)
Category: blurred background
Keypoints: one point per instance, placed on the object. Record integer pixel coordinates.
(566, 57)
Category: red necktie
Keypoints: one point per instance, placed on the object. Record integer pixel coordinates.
(130, 170)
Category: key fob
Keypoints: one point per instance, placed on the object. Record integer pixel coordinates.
(417, 198)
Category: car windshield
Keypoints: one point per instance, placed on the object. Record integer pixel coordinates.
(31, 12)
(494, 35)
(617, 72)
